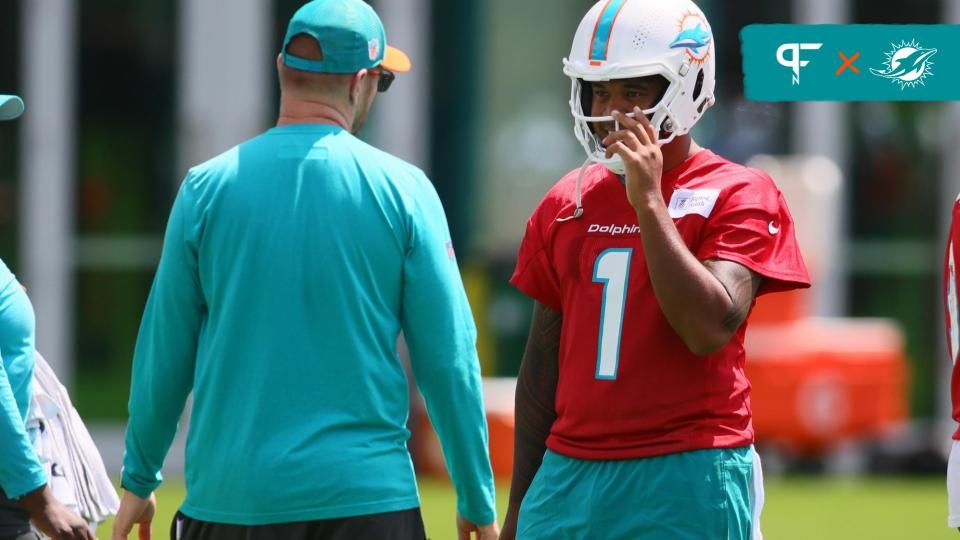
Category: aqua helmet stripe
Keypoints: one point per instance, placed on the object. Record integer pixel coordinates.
(601, 33)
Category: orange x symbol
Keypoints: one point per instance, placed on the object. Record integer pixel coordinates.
(848, 62)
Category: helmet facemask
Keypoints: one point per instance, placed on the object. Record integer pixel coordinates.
(661, 118)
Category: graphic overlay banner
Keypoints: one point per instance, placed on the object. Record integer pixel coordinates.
(851, 62)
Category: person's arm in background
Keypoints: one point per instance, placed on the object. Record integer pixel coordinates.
(163, 365)
(439, 330)
(22, 476)
(20, 469)
(534, 408)
(952, 320)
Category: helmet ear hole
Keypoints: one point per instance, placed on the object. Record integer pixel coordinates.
(698, 87)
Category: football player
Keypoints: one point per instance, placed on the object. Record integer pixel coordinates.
(633, 416)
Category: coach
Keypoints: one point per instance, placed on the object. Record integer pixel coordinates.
(290, 265)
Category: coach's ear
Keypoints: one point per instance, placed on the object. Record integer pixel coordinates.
(279, 61)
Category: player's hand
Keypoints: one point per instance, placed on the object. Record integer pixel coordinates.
(636, 144)
(134, 511)
(53, 518)
(465, 530)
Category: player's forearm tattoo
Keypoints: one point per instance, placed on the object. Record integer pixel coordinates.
(534, 405)
(741, 285)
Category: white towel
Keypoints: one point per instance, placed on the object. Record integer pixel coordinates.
(77, 475)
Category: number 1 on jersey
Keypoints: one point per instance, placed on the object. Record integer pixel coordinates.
(612, 268)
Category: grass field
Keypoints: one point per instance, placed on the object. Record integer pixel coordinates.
(796, 509)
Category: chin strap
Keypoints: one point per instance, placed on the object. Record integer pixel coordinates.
(579, 209)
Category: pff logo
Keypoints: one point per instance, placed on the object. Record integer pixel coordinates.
(794, 62)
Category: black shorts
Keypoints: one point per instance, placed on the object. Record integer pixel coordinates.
(29, 535)
(400, 525)
(14, 520)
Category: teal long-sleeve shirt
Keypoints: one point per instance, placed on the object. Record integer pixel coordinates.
(20, 469)
(290, 265)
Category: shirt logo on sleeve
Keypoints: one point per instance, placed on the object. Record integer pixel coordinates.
(692, 201)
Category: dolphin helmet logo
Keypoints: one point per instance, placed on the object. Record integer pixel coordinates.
(907, 64)
(694, 37)
(691, 38)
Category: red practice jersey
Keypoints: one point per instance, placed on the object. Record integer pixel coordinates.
(628, 385)
(951, 307)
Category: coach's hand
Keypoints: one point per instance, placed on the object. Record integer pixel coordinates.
(53, 518)
(636, 144)
(465, 530)
(134, 511)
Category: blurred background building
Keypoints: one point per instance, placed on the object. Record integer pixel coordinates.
(124, 95)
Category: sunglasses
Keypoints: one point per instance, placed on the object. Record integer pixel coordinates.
(386, 78)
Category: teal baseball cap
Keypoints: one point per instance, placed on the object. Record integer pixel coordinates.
(10, 107)
(350, 35)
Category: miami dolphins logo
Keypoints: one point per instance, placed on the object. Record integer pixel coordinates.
(694, 37)
(907, 64)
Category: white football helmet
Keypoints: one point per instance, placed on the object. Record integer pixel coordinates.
(624, 39)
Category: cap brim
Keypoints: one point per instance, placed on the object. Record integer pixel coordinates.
(396, 60)
(10, 107)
